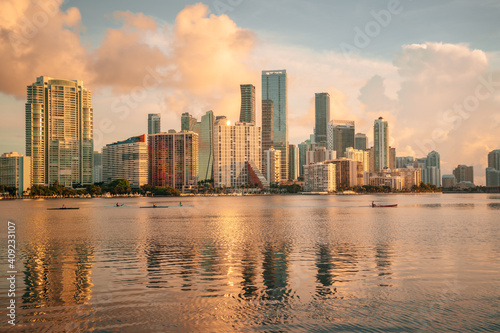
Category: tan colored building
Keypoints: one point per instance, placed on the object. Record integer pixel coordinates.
(411, 176)
(320, 177)
(234, 146)
(15, 171)
(272, 166)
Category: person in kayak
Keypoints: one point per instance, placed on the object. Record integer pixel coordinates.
(117, 205)
(154, 205)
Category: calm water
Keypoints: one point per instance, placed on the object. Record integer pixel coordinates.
(268, 264)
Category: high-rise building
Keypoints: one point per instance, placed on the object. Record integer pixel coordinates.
(494, 159)
(97, 167)
(360, 156)
(411, 176)
(303, 149)
(15, 171)
(322, 112)
(360, 141)
(432, 171)
(234, 146)
(493, 170)
(60, 132)
(126, 159)
(340, 135)
(247, 112)
(188, 123)
(392, 158)
(381, 144)
(346, 172)
(272, 166)
(154, 123)
(464, 173)
(173, 159)
(293, 160)
(206, 147)
(320, 177)
(267, 125)
(274, 88)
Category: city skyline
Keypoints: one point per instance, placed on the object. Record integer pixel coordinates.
(377, 79)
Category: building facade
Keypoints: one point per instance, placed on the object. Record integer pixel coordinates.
(247, 111)
(272, 166)
(60, 132)
(206, 147)
(449, 181)
(320, 154)
(341, 135)
(15, 171)
(97, 167)
(360, 141)
(319, 177)
(173, 159)
(274, 88)
(234, 146)
(126, 159)
(381, 144)
(322, 118)
(464, 173)
(188, 122)
(346, 173)
(493, 170)
(293, 160)
(154, 123)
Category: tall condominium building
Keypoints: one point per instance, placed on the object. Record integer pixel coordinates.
(381, 144)
(303, 149)
(234, 146)
(188, 123)
(154, 123)
(346, 172)
(340, 135)
(272, 165)
(432, 171)
(15, 171)
(97, 167)
(60, 132)
(247, 112)
(322, 112)
(126, 159)
(320, 177)
(173, 159)
(392, 158)
(493, 170)
(206, 147)
(267, 124)
(293, 160)
(360, 141)
(464, 173)
(274, 88)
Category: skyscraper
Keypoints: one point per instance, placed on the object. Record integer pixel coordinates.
(60, 132)
(303, 149)
(272, 169)
(206, 151)
(173, 159)
(235, 146)
(381, 144)
(267, 124)
(322, 108)
(247, 112)
(274, 88)
(432, 172)
(126, 159)
(188, 123)
(360, 141)
(341, 135)
(154, 123)
(293, 160)
(464, 173)
(97, 167)
(493, 170)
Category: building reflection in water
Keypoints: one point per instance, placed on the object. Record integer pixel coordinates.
(249, 274)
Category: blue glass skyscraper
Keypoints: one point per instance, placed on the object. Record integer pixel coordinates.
(274, 88)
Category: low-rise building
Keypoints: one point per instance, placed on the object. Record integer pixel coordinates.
(320, 177)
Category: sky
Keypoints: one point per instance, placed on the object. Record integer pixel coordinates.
(431, 68)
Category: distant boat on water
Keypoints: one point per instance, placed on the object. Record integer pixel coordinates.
(384, 206)
(63, 208)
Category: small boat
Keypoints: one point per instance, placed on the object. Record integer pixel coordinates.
(63, 208)
(384, 206)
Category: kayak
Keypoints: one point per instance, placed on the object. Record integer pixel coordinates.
(384, 206)
(63, 208)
